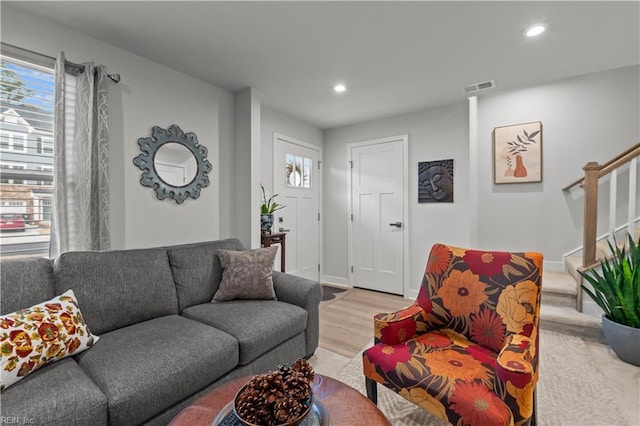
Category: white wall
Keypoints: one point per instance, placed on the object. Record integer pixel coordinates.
(274, 121)
(246, 169)
(434, 134)
(149, 94)
(587, 118)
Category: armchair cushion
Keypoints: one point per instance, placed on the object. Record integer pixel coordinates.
(444, 370)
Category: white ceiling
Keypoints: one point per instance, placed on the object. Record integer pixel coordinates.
(395, 57)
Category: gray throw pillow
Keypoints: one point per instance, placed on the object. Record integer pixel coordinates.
(246, 274)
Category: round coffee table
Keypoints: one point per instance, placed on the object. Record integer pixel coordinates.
(345, 405)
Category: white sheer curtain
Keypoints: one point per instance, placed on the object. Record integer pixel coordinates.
(80, 219)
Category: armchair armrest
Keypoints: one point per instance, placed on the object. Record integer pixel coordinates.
(306, 294)
(397, 327)
(517, 374)
(514, 363)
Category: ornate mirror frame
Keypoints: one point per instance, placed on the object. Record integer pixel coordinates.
(145, 162)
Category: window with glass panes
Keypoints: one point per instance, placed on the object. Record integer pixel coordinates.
(26, 155)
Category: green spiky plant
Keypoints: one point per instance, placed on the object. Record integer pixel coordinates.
(269, 206)
(616, 288)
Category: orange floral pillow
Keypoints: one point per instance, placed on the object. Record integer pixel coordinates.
(34, 337)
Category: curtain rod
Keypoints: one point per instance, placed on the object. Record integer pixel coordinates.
(113, 77)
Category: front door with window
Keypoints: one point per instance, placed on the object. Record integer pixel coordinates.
(296, 176)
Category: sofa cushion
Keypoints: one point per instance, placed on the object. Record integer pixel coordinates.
(118, 288)
(197, 271)
(246, 274)
(258, 325)
(57, 394)
(146, 368)
(34, 337)
(25, 282)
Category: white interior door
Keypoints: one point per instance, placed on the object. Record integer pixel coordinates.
(172, 174)
(378, 228)
(296, 175)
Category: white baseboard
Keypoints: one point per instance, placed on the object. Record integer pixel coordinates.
(336, 281)
(553, 266)
(411, 294)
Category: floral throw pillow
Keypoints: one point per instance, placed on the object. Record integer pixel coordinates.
(34, 337)
(246, 274)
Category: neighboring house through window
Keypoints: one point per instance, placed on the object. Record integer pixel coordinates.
(26, 155)
(4, 171)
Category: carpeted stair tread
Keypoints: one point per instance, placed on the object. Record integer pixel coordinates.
(567, 320)
(569, 315)
(573, 263)
(558, 288)
(558, 282)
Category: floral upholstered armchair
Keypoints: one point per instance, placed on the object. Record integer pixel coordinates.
(467, 349)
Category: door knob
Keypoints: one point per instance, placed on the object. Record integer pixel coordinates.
(283, 230)
(397, 224)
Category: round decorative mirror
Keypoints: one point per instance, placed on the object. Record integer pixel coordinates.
(173, 163)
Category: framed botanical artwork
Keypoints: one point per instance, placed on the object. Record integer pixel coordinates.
(435, 181)
(517, 153)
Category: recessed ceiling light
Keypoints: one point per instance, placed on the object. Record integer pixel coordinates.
(535, 30)
(339, 88)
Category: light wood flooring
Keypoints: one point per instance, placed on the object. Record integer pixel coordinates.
(346, 325)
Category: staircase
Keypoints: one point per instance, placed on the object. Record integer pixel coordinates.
(562, 303)
(558, 310)
(561, 308)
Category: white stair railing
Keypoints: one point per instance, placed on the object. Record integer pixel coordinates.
(593, 172)
(633, 186)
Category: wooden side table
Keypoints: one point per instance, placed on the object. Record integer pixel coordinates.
(269, 239)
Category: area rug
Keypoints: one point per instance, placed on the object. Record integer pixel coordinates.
(571, 391)
(329, 292)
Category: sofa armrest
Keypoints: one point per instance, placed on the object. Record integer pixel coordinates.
(397, 327)
(306, 294)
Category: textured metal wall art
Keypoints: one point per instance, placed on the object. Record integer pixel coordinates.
(435, 181)
(173, 163)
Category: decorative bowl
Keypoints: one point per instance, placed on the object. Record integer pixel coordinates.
(295, 422)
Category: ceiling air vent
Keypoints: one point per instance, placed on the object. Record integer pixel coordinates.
(472, 88)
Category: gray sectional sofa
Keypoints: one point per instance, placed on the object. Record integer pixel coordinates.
(162, 343)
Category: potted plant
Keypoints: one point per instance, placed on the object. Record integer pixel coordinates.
(268, 207)
(616, 289)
